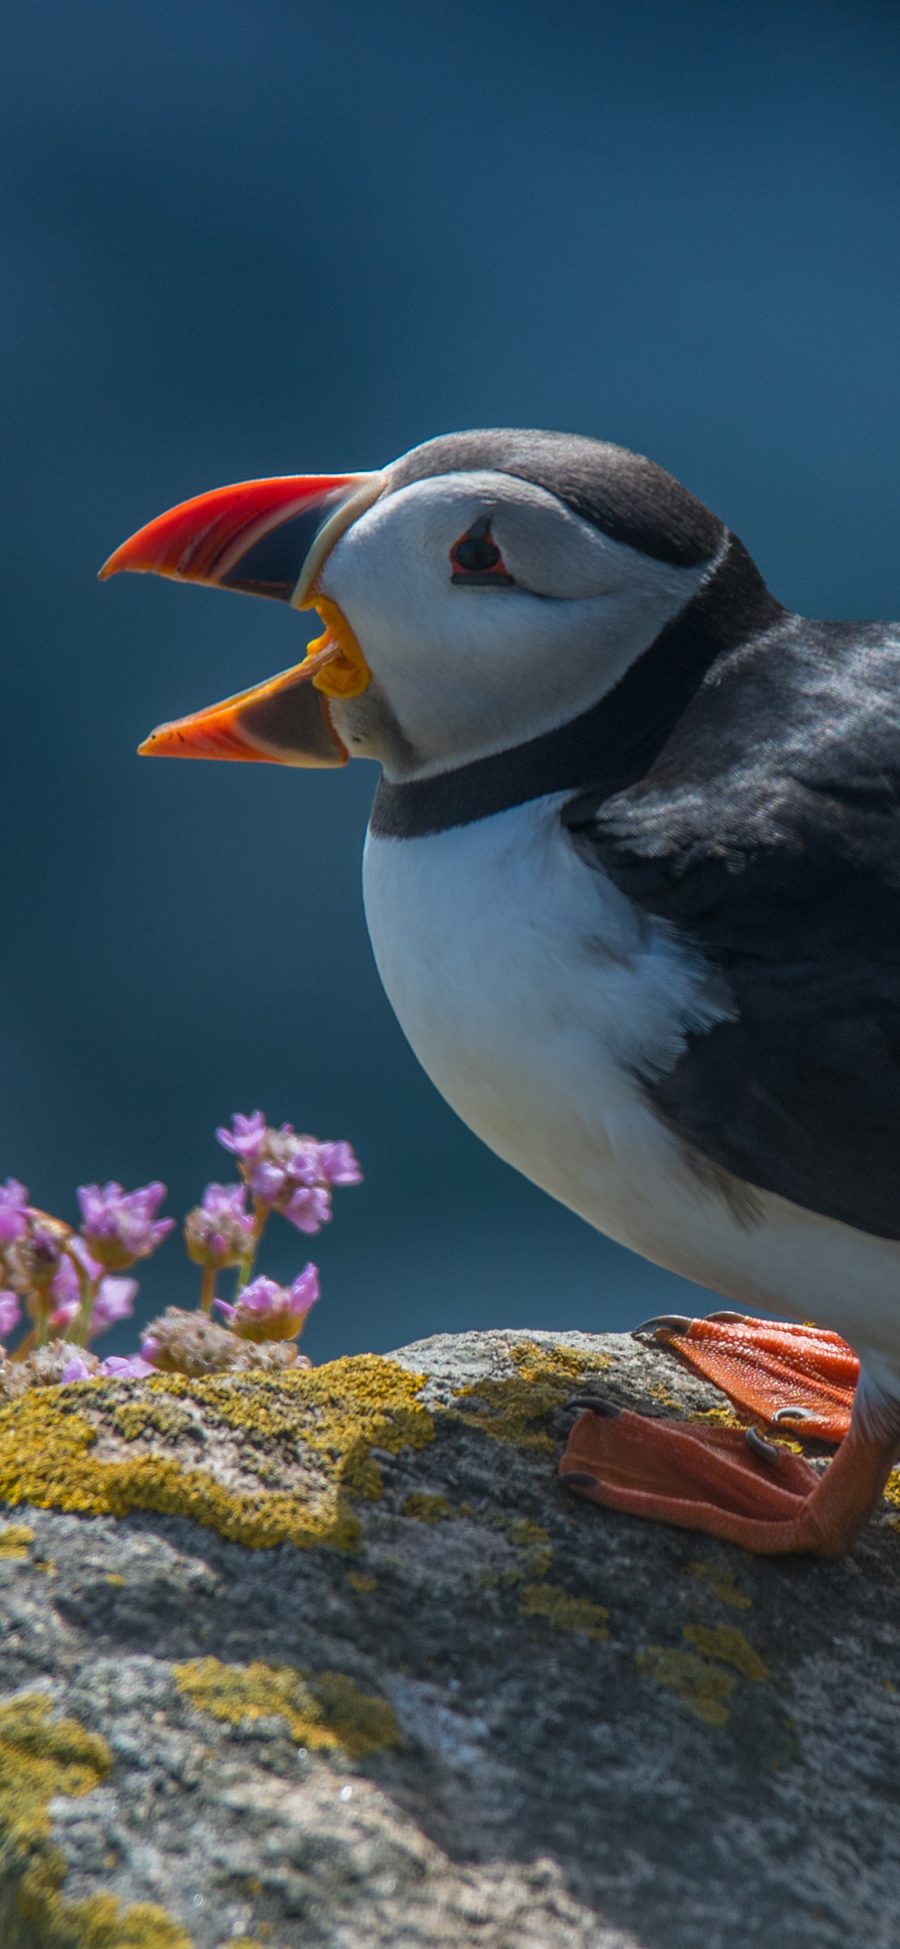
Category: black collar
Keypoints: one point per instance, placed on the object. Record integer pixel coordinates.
(613, 743)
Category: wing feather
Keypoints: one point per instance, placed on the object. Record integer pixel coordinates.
(768, 834)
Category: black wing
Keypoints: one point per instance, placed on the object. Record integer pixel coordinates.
(768, 834)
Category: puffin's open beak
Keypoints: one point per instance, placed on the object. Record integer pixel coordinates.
(263, 537)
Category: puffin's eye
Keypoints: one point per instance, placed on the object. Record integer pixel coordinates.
(472, 554)
(475, 558)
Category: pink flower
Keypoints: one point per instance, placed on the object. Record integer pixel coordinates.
(76, 1369)
(65, 1292)
(64, 1316)
(65, 1286)
(121, 1226)
(247, 1136)
(289, 1172)
(267, 1181)
(339, 1164)
(13, 1211)
(114, 1302)
(10, 1313)
(285, 1160)
(266, 1311)
(130, 1366)
(308, 1210)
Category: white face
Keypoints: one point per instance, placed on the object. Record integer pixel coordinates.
(464, 668)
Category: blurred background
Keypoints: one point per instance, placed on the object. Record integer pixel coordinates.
(246, 237)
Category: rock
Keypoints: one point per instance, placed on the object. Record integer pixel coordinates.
(329, 1658)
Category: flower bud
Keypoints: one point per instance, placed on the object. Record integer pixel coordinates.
(33, 1261)
(219, 1231)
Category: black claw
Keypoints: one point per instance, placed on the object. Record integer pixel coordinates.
(725, 1315)
(793, 1414)
(766, 1450)
(595, 1404)
(663, 1322)
(573, 1481)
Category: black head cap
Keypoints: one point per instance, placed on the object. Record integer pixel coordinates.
(630, 498)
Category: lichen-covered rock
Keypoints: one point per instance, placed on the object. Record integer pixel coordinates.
(327, 1657)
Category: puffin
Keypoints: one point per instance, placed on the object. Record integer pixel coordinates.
(632, 882)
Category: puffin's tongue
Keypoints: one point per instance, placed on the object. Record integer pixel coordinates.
(343, 670)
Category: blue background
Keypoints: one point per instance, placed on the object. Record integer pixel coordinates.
(243, 237)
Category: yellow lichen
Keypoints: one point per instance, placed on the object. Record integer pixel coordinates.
(321, 1423)
(564, 1612)
(892, 1488)
(428, 1509)
(99, 1922)
(704, 1688)
(544, 1377)
(534, 1549)
(658, 1391)
(526, 1534)
(364, 1585)
(717, 1417)
(729, 1646)
(323, 1710)
(337, 1413)
(533, 1539)
(146, 1414)
(340, 1410)
(40, 1758)
(14, 1541)
(722, 1583)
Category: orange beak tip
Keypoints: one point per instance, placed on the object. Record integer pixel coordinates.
(158, 744)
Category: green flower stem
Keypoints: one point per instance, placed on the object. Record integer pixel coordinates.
(80, 1327)
(260, 1218)
(26, 1345)
(207, 1289)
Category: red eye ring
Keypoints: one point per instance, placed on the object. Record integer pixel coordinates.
(475, 558)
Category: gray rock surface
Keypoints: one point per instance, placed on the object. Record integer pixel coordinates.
(563, 1729)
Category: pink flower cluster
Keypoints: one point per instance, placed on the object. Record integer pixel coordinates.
(289, 1173)
(67, 1285)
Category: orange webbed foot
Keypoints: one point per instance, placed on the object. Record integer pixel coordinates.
(728, 1482)
(780, 1373)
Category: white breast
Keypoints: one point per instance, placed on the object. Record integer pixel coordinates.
(531, 990)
